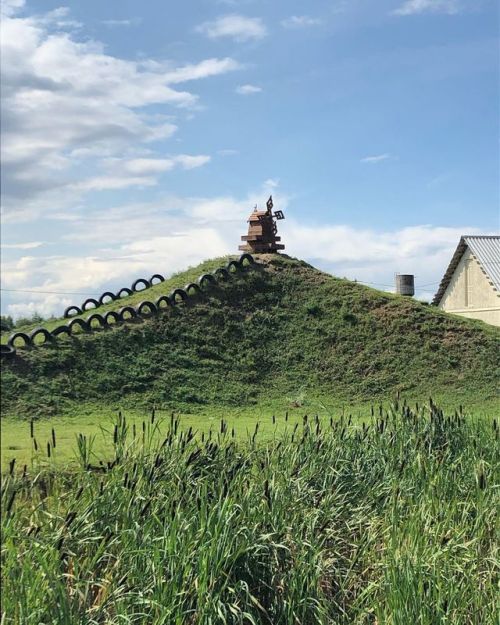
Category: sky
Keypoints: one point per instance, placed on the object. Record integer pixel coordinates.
(138, 136)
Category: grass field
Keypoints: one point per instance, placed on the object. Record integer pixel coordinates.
(90, 420)
(237, 460)
(392, 520)
(17, 443)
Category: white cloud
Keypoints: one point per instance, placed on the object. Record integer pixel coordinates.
(234, 26)
(67, 102)
(107, 183)
(227, 152)
(154, 166)
(413, 7)
(377, 158)
(191, 162)
(146, 166)
(10, 7)
(208, 67)
(29, 245)
(374, 256)
(57, 17)
(137, 172)
(248, 89)
(300, 21)
(126, 22)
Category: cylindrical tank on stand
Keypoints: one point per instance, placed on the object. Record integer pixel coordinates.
(405, 284)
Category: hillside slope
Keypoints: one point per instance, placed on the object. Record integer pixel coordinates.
(279, 330)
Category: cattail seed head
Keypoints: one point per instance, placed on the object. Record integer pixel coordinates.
(482, 481)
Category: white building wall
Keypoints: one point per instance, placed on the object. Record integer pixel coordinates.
(470, 294)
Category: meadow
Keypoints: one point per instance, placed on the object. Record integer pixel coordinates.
(389, 519)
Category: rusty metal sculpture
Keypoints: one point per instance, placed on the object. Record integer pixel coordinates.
(262, 231)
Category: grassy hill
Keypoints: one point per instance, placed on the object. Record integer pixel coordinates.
(280, 332)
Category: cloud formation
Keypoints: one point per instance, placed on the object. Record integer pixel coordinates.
(66, 104)
(414, 7)
(234, 26)
(300, 21)
(128, 22)
(248, 89)
(377, 158)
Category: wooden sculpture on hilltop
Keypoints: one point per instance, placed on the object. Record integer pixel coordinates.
(262, 231)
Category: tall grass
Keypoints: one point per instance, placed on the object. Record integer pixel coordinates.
(392, 521)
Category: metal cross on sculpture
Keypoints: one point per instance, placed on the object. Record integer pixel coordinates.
(262, 231)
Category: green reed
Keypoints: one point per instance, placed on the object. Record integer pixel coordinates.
(388, 521)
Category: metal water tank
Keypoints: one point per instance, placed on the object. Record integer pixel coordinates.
(405, 284)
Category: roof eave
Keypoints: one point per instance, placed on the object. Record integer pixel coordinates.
(459, 252)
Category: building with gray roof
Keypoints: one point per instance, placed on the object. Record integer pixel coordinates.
(471, 285)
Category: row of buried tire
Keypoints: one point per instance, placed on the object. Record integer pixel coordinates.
(108, 296)
(144, 309)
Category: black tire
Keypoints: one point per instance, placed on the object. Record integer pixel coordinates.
(95, 317)
(135, 284)
(233, 264)
(125, 290)
(107, 294)
(112, 314)
(222, 273)
(19, 335)
(127, 309)
(178, 292)
(156, 276)
(42, 332)
(90, 300)
(67, 312)
(163, 299)
(61, 330)
(153, 310)
(248, 257)
(81, 323)
(7, 352)
(192, 286)
(207, 279)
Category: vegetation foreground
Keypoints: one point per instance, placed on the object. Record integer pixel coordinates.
(393, 521)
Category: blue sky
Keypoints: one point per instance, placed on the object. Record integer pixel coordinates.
(137, 137)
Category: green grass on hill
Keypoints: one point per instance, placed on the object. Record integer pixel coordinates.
(178, 280)
(280, 334)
